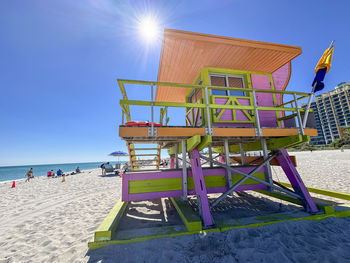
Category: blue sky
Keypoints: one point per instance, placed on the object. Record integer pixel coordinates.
(59, 61)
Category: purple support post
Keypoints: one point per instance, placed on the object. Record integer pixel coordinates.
(295, 180)
(172, 161)
(200, 187)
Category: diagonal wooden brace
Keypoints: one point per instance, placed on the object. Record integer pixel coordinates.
(246, 177)
(296, 182)
(254, 178)
(200, 187)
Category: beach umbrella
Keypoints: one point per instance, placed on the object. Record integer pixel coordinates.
(118, 154)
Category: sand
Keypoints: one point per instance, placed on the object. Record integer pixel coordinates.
(46, 220)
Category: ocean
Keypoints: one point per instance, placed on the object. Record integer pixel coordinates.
(9, 173)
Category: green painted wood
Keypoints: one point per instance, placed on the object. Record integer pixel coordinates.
(161, 103)
(205, 141)
(183, 85)
(155, 185)
(173, 184)
(193, 142)
(190, 219)
(340, 195)
(327, 209)
(274, 143)
(110, 223)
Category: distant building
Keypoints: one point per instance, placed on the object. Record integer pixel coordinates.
(332, 112)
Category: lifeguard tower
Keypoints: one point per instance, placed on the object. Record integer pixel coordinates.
(234, 99)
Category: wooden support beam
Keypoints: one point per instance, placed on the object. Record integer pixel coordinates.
(187, 215)
(200, 187)
(192, 143)
(108, 226)
(205, 141)
(296, 181)
(273, 143)
(340, 195)
(256, 160)
(327, 209)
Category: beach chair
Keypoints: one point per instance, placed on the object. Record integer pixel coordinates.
(109, 169)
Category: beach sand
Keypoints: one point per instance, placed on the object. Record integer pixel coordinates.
(46, 220)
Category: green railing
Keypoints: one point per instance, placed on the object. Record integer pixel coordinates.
(205, 103)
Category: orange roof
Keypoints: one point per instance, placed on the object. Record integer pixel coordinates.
(184, 54)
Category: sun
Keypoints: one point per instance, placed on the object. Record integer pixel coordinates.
(149, 29)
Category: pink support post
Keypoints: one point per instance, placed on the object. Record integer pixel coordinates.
(172, 161)
(200, 187)
(222, 159)
(295, 180)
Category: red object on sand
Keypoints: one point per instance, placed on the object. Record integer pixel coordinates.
(120, 174)
(13, 184)
(142, 123)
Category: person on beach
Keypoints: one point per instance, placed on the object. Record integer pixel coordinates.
(103, 168)
(77, 170)
(29, 174)
(125, 168)
(59, 172)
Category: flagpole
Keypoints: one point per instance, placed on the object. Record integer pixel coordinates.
(308, 106)
(312, 94)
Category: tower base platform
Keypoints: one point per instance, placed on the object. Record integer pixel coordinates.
(138, 221)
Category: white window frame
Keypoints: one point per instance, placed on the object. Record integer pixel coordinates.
(226, 81)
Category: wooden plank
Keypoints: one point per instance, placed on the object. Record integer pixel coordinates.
(110, 223)
(327, 209)
(273, 143)
(279, 132)
(340, 195)
(187, 215)
(175, 184)
(310, 132)
(193, 142)
(180, 131)
(205, 141)
(232, 132)
(155, 185)
(133, 131)
(256, 160)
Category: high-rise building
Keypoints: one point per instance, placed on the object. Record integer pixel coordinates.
(332, 111)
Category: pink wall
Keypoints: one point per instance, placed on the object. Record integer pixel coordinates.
(267, 118)
(280, 78)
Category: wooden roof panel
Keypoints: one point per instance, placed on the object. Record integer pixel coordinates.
(184, 54)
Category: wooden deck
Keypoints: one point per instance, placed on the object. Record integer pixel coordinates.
(171, 134)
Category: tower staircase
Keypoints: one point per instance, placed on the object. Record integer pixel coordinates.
(144, 159)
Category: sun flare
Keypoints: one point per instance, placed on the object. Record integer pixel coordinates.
(149, 29)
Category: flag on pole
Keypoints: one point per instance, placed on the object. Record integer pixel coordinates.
(322, 67)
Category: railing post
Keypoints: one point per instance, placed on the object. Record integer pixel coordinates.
(210, 151)
(210, 132)
(227, 158)
(152, 111)
(258, 128)
(166, 116)
(241, 148)
(122, 117)
(176, 156)
(184, 169)
(268, 166)
(301, 128)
